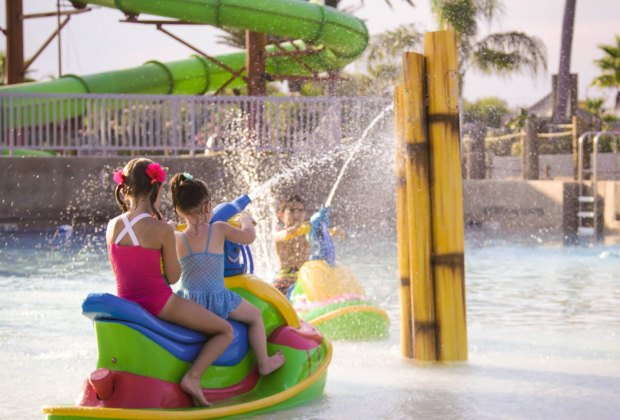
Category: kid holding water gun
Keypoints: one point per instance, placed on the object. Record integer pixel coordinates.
(200, 247)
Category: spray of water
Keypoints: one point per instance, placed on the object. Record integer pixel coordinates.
(357, 147)
(306, 166)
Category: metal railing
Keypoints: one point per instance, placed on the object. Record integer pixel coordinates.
(107, 124)
(591, 199)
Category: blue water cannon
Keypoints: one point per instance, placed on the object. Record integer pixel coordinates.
(224, 211)
(237, 258)
(321, 242)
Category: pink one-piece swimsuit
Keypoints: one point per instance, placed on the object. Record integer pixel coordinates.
(139, 277)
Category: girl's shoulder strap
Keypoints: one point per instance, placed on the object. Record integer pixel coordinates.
(189, 249)
(211, 226)
(128, 229)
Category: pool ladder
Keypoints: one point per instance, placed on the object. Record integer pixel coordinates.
(588, 217)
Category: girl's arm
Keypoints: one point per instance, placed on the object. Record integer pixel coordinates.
(172, 268)
(243, 235)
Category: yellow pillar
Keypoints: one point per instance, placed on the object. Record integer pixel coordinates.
(419, 217)
(446, 194)
(406, 338)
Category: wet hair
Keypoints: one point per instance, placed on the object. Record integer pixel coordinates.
(285, 201)
(188, 193)
(138, 184)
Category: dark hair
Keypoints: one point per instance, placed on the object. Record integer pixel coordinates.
(137, 183)
(188, 193)
(285, 201)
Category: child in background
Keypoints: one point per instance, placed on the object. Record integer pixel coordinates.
(292, 246)
(139, 241)
(291, 241)
(201, 250)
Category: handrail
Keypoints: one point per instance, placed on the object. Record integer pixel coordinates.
(594, 179)
(505, 136)
(554, 135)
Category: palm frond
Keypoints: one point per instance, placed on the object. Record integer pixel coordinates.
(232, 37)
(463, 15)
(606, 80)
(510, 52)
(388, 46)
(609, 66)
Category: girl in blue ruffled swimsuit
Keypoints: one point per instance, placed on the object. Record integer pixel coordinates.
(200, 248)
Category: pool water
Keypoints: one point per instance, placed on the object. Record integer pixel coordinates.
(543, 333)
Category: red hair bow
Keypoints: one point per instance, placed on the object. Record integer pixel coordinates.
(118, 177)
(156, 173)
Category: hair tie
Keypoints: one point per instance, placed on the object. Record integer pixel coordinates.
(156, 173)
(188, 176)
(118, 177)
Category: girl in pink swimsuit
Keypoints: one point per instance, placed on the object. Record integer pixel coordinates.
(139, 242)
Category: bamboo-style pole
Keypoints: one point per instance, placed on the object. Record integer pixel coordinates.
(406, 338)
(446, 194)
(419, 217)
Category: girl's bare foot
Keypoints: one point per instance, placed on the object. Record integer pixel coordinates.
(193, 388)
(274, 362)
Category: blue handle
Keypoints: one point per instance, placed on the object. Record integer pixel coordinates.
(224, 211)
(321, 243)
(234, 263)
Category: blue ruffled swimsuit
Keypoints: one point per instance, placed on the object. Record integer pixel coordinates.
(202, 281)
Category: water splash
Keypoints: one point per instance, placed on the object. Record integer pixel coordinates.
(357, 147)
(306, 166)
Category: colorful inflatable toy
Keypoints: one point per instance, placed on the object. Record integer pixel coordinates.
(142, 358)
(330, 297)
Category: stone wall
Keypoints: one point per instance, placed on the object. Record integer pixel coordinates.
(48, 191)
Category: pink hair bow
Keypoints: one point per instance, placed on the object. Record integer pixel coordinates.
(118, 177)
(156, 173)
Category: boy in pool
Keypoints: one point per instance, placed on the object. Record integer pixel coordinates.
(291, 241)
(292, 246)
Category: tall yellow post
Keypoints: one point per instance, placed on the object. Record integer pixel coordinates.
(419, 217)
(406, 338)
(446, 194)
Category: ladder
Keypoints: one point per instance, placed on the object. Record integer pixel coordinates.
(588, 202)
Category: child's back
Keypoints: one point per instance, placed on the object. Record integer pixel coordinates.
(135, 255)
(201, 249)
(202, 273)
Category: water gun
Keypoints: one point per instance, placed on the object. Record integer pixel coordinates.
(224, 211)
(237, 258)
(321, 242)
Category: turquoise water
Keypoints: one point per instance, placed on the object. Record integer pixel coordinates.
(543, 333)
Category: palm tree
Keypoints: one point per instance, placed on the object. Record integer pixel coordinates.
(501, 53)
(383, 56)
(610, 69)
(497, 53)
(563, 84)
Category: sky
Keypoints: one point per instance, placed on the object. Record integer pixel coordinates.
(96, 41)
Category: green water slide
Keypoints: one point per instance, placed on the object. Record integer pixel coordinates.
(334, 38)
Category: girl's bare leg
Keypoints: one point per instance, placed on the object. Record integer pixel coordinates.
(191, 315)
(250, 315)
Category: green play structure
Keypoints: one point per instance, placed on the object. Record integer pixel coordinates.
(331, 38)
